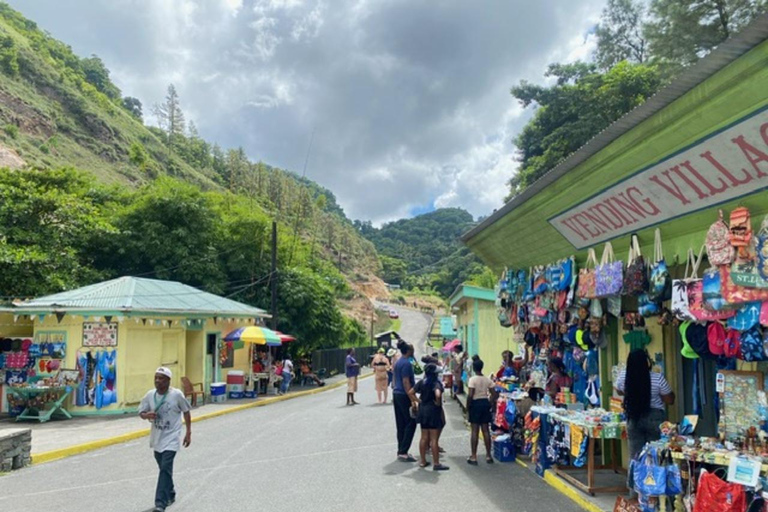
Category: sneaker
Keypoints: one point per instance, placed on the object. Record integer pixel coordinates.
(158, 509)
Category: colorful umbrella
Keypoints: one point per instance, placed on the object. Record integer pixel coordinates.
(285, 338)
(256, 335)
(450, 345)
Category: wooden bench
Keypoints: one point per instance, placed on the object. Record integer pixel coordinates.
(190, 391)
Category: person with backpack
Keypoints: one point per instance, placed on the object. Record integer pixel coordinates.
(430, 416)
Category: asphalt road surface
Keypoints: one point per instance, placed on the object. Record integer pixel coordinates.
(308, 454)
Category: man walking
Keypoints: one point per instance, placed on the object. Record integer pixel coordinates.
(404, 400)
(163, 407)
(353, 371)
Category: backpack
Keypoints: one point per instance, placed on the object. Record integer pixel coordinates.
(718, 243)
(752, 345)
(741, 230)
(732, 346)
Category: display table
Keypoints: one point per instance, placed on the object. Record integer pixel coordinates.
(262, 380)
(611, 432)
(42, 410)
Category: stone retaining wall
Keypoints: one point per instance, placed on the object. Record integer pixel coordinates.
(15, 448)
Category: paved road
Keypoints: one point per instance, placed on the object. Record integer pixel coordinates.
(311, 454)
(414, 328)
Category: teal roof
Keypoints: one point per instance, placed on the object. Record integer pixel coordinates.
(136, 295)
(466, 291)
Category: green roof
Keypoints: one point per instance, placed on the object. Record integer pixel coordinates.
(466, 291)
(132, 296)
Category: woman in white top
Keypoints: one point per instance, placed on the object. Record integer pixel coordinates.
(482, 394)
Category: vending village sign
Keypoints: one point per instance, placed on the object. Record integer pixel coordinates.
(726, 165)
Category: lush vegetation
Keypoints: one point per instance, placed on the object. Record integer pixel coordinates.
(640, 48)
(165, 203)
(425, 252)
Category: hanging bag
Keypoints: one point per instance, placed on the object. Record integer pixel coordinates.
(718, 242)
(734, 294)
(674, 479)
(636, 276)
(609, 275)
(680, 300)
(660, 286)
(716, 495)
(713, 297)
(650, 476)
(762, 249)
(586, 284)
(741, 230)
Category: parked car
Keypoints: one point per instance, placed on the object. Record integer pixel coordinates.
(393, 314)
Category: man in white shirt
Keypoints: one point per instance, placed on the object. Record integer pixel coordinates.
(287, 375)
(163, 407)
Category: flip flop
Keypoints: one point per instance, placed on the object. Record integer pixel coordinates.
(440, 467)
(406, 459)
(426, 465)
(472, 462)
(489, 460)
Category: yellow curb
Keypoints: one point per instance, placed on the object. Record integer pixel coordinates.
(570, 492)
(62, 453)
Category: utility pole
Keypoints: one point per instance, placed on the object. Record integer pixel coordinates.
(274, 275)
(373, 317)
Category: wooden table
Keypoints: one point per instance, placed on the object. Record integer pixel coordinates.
(590, 488)
(49, 409)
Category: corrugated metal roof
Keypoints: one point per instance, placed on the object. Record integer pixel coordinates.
(754, 34)
(140, 295)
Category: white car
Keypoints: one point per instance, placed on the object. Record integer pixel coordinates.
(393, 314)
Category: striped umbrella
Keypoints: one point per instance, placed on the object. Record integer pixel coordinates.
(255, 335)
(285, 338)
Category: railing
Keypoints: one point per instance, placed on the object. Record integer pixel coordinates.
(334, 359)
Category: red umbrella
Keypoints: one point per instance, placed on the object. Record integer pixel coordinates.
(285, 338)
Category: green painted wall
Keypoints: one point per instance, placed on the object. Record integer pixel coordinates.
(482, 325)
(524, 237)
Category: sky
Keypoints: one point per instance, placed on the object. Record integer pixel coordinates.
(408, 100)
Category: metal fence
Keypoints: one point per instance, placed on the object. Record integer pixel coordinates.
(334, 359)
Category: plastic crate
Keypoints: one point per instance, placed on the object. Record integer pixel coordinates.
(504, 451)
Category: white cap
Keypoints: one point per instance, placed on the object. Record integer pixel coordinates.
(164, 371)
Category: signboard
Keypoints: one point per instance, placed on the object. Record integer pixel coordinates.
(721, 167)
(100, 334)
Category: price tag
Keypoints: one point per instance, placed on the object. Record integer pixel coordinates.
(720, 383)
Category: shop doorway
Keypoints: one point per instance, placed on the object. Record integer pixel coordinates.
(699, 395)
(211, 358)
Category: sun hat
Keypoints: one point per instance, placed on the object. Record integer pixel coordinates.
(164, 371)
(391, 352)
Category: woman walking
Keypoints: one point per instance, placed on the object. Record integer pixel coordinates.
(430, 416)
(481, 393)
(381, 368)
(646, 394)
(287, 375)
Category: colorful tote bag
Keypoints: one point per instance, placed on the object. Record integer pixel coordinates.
(609, 275)
(746, 317)
(735, 294)
(713, 298)
(697, 308)
(660, 286)
(680, 287)
(586, 284)
(636, 275)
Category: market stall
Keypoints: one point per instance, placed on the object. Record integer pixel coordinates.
(254, 335)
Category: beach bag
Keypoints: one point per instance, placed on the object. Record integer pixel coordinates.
(761, 246)
(609, 275)
(680, 299)
(528, 291)
(540, 283)
(674, 479)
(697, 305)
(713, 298)
(741, 230)
(716, 495)
(746, 317)
(554, 275)
(647, 307)
(660, 282)
(636, 275)
(567, 266)
(596, 308)
(614, 305)
(735, 294)
(586, 284)
(650, 476)
(718, 243)
(752, 346)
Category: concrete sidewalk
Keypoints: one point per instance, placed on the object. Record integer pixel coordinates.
(56, 439)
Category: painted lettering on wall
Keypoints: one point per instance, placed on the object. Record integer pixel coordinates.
(722, 167)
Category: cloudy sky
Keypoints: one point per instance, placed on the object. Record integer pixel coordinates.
(409, 99)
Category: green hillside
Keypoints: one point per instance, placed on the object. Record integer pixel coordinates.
(425, 252)
(100, 194)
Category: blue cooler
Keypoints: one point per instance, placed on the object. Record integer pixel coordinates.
(218, 392)
(504, 451)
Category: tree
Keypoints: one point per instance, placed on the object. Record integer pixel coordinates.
(97, 74)
(9, 56)
(134, 107)
(170, 117)
(620, 34)
(581, 104)
(681, 32)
